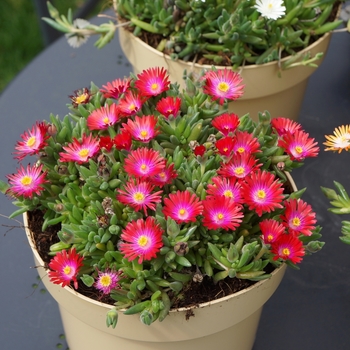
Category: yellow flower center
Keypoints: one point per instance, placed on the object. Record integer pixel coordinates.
(26, 180)
(286, 251)
(220, 216)
(225, 149)
(296, 222)
(143, 167)
(142, 241)
(139, 197)
(67, 269)
(269, 238)
(182, 212)
(162, 175)
(223, 86)
(83, 152)
(239, 170)
(106, 280)
(228, 193)
(106, 120)
(240, 150)
(154, 86)
(31, 141)
(298, 149)
(81, 98)
(132, 107)
(144, 133)
(261, 194)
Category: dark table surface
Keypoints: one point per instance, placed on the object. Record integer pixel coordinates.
(311, 308)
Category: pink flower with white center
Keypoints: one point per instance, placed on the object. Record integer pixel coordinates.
(225, 146)
(285, 125)
(239, 166)
(271, 230)
(142, 128)
(223, 84)
(152, 81)
(182, 206)
(288, 247)
(103, 117)
(262, 192)
(169, 106)
(221, 212)
(245, 142)
(226, 123)
(139, 196)
(299, 217)
(115, 88)
(129, 104)
(299, 145)
(165, 177)
(227, 187)
(34, 140)
(27, 181)
(107, 281)
(143, 239)
(65, 267)
(80, 152)
(123, 140)
(144, 163)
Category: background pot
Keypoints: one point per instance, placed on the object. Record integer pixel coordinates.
(264, 89)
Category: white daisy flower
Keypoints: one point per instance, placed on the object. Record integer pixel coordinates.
(270, 9)
(77, 39)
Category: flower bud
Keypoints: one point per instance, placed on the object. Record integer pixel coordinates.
(52, 130)
(181, 248)
(314, 246)
(112, 318)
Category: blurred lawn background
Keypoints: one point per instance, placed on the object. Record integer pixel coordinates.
(20, 35)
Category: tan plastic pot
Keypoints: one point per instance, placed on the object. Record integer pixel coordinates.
(229, 323)
(264, 89)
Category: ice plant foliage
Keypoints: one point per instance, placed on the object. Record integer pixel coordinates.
(152, 186)
(231, 33)
(339, 198)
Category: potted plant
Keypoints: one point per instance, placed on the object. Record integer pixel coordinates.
(144, 195)
(275, 45)
(339, 198)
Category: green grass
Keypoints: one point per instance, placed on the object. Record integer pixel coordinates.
(20, 35)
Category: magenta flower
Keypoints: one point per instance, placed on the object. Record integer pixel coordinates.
(129, 104)
(107, 281)
(103, 117)
(142, 128)
(139, 195)
(27, 181)
(227, 187)
(182, 206)
(169, 106)
(144, 163)
(65, 267)
(221, 212)
(299, 217)
(115, 88)
(152, 81)
(223, 84)
(262, 192)
(245, 142)
(165, 177)
(226, 123)
(271, 230)
(225, 146)
(239, 166)
(285, 125)
(123, 140)
(80, 152)
(142, 239)
(34, 140)
(288, 247)
(298, 145)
